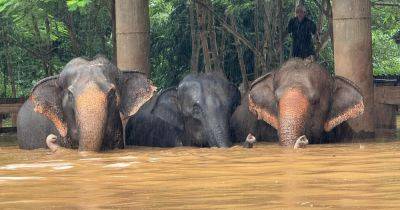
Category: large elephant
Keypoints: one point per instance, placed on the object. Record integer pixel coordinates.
(196, 113)
(301, 98)
(82, 106)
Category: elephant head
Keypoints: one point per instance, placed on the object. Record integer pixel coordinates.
(86, 101)
(301, 98)
(206, 103)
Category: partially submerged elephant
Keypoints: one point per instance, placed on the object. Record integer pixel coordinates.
(301, 98)
(196, 113)
(243, 123)
(82, 106)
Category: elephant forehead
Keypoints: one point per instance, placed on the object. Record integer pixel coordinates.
(190, 89)
(213, 100)
(86, 73)
(91, 100)
(312, 85)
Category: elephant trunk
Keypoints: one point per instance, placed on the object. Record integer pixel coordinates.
(293, 111)
(91, 113)
(218, 132)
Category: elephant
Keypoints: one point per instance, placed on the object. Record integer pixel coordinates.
(196, 113)
(300, 98)
(243, 123)
(86, 106)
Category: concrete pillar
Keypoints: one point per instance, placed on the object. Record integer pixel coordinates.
(353, 55)
(132, 32)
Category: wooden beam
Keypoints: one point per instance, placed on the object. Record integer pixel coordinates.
(10, 108)
(385, 4)
(387, 95)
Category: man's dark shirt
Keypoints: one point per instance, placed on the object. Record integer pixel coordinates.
(301, 33)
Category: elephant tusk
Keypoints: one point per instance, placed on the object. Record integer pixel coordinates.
(301, 142)
(250, 140)
(51, 142)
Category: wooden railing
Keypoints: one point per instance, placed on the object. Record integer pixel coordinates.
(9, 106)
(387, 103)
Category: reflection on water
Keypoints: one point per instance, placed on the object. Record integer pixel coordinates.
(332, 176)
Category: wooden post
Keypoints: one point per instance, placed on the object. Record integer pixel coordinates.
(132, 32)
(353, 56)
(14, 119)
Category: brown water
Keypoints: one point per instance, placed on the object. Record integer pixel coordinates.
(331, 176)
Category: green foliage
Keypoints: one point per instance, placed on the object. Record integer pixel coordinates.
(386, 53)
(73, 5)
(170, 42)
(37, 36)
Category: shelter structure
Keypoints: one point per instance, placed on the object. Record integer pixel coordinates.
(132, 35)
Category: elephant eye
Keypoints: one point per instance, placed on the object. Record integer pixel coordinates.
(315, 101)
(196, 109)
(70, 94)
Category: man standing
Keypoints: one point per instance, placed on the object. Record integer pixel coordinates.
(302, 28)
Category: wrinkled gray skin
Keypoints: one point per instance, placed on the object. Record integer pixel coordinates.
(243, 122)
(300, 98)
(196, 113)
(82, 106)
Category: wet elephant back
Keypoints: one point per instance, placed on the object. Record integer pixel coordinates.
(157, 123)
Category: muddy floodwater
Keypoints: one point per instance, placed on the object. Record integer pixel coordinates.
(330, 176)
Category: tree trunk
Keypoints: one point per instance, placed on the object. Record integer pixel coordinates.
(113, 35)
(43, 50)
(8, 59)
(257, 59)
(330, 22)
(222, 48)
(229, 28)
(201, 18)
(213, 43)
(194, 60)
(10, 71)
(326, 9)
(267, 36)
(242, 64)
(69, 23)
(4, 94)
(92, 33)
(48, 46)
(280, 29)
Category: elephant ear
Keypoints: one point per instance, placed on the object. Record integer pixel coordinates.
(165, 107)
(46, 98)
(347, 103)
(134, 89)
(262, 100)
